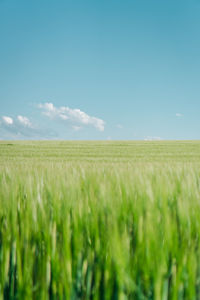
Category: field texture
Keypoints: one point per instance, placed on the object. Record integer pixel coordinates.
(100, 220)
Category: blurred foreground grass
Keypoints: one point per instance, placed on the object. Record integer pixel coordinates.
(100, 220)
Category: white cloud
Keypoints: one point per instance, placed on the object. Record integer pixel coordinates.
(49, 106)
(49, 109)
(21, 128)
(24, 121)
(64, 117)
(152, 138)
(21, 120)
(179, 115)
(75, 116)
(7, 120)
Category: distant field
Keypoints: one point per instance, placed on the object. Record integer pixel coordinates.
(87, 151)
(100, 220)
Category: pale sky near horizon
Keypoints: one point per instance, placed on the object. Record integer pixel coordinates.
(104, 69)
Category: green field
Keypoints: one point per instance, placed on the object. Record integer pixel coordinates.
(100, 220)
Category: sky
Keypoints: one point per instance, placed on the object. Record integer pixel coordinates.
(102, 70)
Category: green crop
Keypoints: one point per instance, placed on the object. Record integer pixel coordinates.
(100, 220)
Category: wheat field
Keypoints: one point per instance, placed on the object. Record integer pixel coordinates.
(100, 220)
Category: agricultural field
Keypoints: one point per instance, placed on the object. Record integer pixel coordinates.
(100, 220)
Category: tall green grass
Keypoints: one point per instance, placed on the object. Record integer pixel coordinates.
(96, 220)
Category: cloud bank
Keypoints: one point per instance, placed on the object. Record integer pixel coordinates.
(74, 116)
(72, 121)
(22, 128)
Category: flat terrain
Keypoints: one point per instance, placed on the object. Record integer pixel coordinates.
(90, 151)
(100, 220)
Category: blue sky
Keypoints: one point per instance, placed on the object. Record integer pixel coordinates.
(104, 69)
